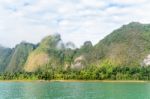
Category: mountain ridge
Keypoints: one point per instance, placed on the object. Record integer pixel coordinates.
(127, 46)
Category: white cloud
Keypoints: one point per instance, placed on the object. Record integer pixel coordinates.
(129, 1)
(76, 20)
(93, 3)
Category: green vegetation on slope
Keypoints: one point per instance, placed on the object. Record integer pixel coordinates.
(119, 55)
(19, 56)
(46, 53)
(126, 46)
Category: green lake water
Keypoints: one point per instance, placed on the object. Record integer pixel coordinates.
(74, 90)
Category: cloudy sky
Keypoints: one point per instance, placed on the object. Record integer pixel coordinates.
(75, 20)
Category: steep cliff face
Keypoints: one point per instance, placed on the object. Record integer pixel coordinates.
(19, 56)
(45, 53)
(146, 61)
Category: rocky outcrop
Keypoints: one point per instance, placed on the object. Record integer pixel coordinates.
(146, 61)
(79, 63)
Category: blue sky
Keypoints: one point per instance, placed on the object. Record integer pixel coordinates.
(76, 20)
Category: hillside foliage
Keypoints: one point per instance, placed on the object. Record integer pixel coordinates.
(118, 56)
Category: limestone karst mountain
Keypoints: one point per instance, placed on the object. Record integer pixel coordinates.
(127, 46)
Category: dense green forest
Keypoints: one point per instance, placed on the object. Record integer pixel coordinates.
(122, 55)
(101, 73)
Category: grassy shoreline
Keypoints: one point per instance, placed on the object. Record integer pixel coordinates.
(111, 81)
(99, 81)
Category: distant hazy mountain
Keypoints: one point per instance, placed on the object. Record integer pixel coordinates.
(126, 46)
(4, 57)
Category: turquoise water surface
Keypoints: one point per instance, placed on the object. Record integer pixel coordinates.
(74, 90)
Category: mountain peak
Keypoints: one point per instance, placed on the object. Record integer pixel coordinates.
(134, 23)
